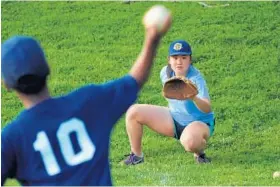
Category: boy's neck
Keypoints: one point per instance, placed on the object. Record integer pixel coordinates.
(31, 100)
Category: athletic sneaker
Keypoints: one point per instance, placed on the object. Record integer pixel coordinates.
(202, 159)
(132, 159)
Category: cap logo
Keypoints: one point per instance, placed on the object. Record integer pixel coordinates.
(177, 46)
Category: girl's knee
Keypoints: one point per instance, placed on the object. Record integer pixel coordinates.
(192, 143)
(132, 112)
(188, 143)
(200, 129)
(137, 113)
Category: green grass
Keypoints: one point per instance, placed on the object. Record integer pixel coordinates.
(237, 48)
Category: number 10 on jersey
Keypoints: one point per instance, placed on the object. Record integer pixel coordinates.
(42, 144)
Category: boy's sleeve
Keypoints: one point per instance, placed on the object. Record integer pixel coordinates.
(8, 158)
(119, 94)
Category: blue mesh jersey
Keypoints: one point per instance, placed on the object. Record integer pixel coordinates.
(65, 140)
(185, 112)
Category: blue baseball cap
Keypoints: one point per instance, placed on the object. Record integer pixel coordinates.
(22, 55)
(180, 47)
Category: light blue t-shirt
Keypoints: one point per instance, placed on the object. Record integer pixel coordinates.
(185, 112)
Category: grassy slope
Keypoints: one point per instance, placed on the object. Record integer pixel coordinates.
(236, 48)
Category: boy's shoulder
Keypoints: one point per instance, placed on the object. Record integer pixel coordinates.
(12, 129)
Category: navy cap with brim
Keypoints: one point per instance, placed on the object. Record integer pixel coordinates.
(179, 53)
(20, 56)
(179, 47)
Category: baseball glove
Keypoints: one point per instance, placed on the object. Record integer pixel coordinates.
(179, 88)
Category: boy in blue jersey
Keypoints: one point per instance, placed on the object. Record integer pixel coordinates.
(190, 121)
(64, 140)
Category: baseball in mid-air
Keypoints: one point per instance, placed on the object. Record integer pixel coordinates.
(276, 174)
(157, 16)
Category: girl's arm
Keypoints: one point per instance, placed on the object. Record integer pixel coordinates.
(203, 104)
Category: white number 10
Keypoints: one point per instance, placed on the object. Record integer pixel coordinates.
(42, 144)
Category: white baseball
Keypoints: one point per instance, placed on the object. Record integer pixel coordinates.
(276, 174)
(156, 16)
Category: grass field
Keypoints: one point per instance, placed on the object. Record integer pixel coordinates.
(237, 48)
